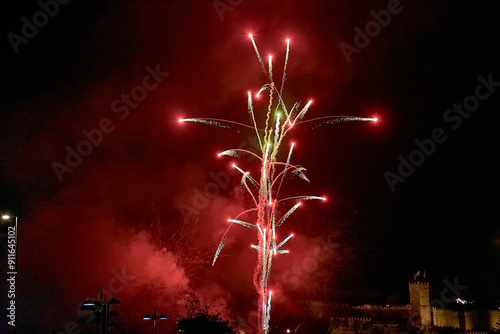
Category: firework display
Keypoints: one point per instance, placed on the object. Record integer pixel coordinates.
(263, 217)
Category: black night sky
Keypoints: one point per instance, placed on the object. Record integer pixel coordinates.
(130, 212)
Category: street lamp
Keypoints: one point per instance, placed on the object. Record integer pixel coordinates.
(7, 217)
(101, 314)
(154, 317)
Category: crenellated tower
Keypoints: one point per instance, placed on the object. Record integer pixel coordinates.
(420, 307)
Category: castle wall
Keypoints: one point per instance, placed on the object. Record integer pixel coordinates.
(445, 318)
(397, 314)
(494, 319)
(471, 320)
(416, 314)
(377, 313)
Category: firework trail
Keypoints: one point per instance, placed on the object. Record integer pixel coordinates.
(264, 192)
(284, 67)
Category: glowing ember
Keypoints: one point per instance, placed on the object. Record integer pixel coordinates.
(265, 193)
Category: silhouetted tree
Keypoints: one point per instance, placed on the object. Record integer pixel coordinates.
(199, 319)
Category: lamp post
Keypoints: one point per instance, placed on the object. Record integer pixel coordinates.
(154, 317)
(7, 217)
(101, 314)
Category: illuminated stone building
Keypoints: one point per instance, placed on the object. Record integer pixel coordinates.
(420, 315)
